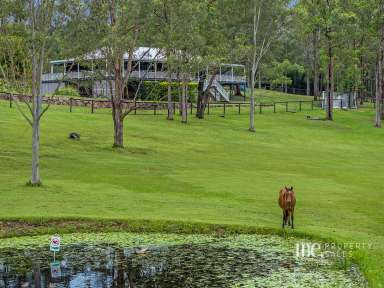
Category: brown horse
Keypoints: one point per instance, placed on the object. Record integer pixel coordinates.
(287, 202)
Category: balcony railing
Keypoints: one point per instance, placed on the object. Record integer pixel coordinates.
(150, 75)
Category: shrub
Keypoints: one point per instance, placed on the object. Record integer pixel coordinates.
(157, 91)
(67, 91)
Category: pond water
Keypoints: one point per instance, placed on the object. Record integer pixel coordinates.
(165, 260)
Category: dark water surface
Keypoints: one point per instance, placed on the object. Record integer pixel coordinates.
(191, 265)
(159, 260)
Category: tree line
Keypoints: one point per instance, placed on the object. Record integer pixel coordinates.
(334, 45)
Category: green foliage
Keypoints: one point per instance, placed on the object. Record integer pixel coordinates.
(68, 91)
(158, 91)
(278, 73)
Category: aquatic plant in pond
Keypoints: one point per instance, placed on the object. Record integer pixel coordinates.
(166, 260)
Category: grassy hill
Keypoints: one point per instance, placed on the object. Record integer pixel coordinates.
(271, 96)
(209, 171)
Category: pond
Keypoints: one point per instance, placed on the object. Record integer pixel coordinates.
(168, 260)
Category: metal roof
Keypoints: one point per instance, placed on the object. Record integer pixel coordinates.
(140, 54)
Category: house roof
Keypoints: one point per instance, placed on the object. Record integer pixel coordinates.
(141, 53)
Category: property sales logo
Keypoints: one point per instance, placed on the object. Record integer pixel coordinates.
(328, 250)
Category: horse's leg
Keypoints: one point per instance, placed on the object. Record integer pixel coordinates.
(283, 219)
(292, 219)
(288, 218)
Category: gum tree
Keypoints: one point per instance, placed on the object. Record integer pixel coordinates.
(114, 30)
(30, 27)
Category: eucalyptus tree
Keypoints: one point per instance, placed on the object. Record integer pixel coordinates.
(279, 72)
(380, 65)
(308, 29)
(181, 36)
(217, 48)
(266, 24)
(34, 21)
(28, 39)
(253, 25)
(165, 12)
(115, 28)
(334, 15)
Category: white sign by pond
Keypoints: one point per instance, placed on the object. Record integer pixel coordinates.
(55, 244)
(55, 269)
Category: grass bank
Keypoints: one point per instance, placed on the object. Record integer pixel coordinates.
(210, 172)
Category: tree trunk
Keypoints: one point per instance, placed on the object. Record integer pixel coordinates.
(378, 96)
(308, 85)
(170, 103)
(316, 88)
(200, 97)
(118, 128)
(37, 70)
(252, 103)
(184, 108)
(382, 61)
(380, 75)
(330, 84)
(35, 178)
(117, 109)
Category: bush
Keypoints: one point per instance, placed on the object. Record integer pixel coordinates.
(6, 87)
(67, 91)
(158, 91)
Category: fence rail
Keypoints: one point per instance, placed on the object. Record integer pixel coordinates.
(157, 107)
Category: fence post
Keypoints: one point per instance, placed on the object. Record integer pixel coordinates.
(239, 108)
(274, 107)
(70, 104)
(286, 106)
(300, 105)
(260, 108)
(134, 103)
(208, 108)
(224, 108)
(312, 104)
(93, 105)
(10, 100)
(154, 108)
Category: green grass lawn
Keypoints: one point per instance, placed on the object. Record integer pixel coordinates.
(210, 171)
(267, 96)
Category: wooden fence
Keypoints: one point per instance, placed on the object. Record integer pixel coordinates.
(159, 107)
